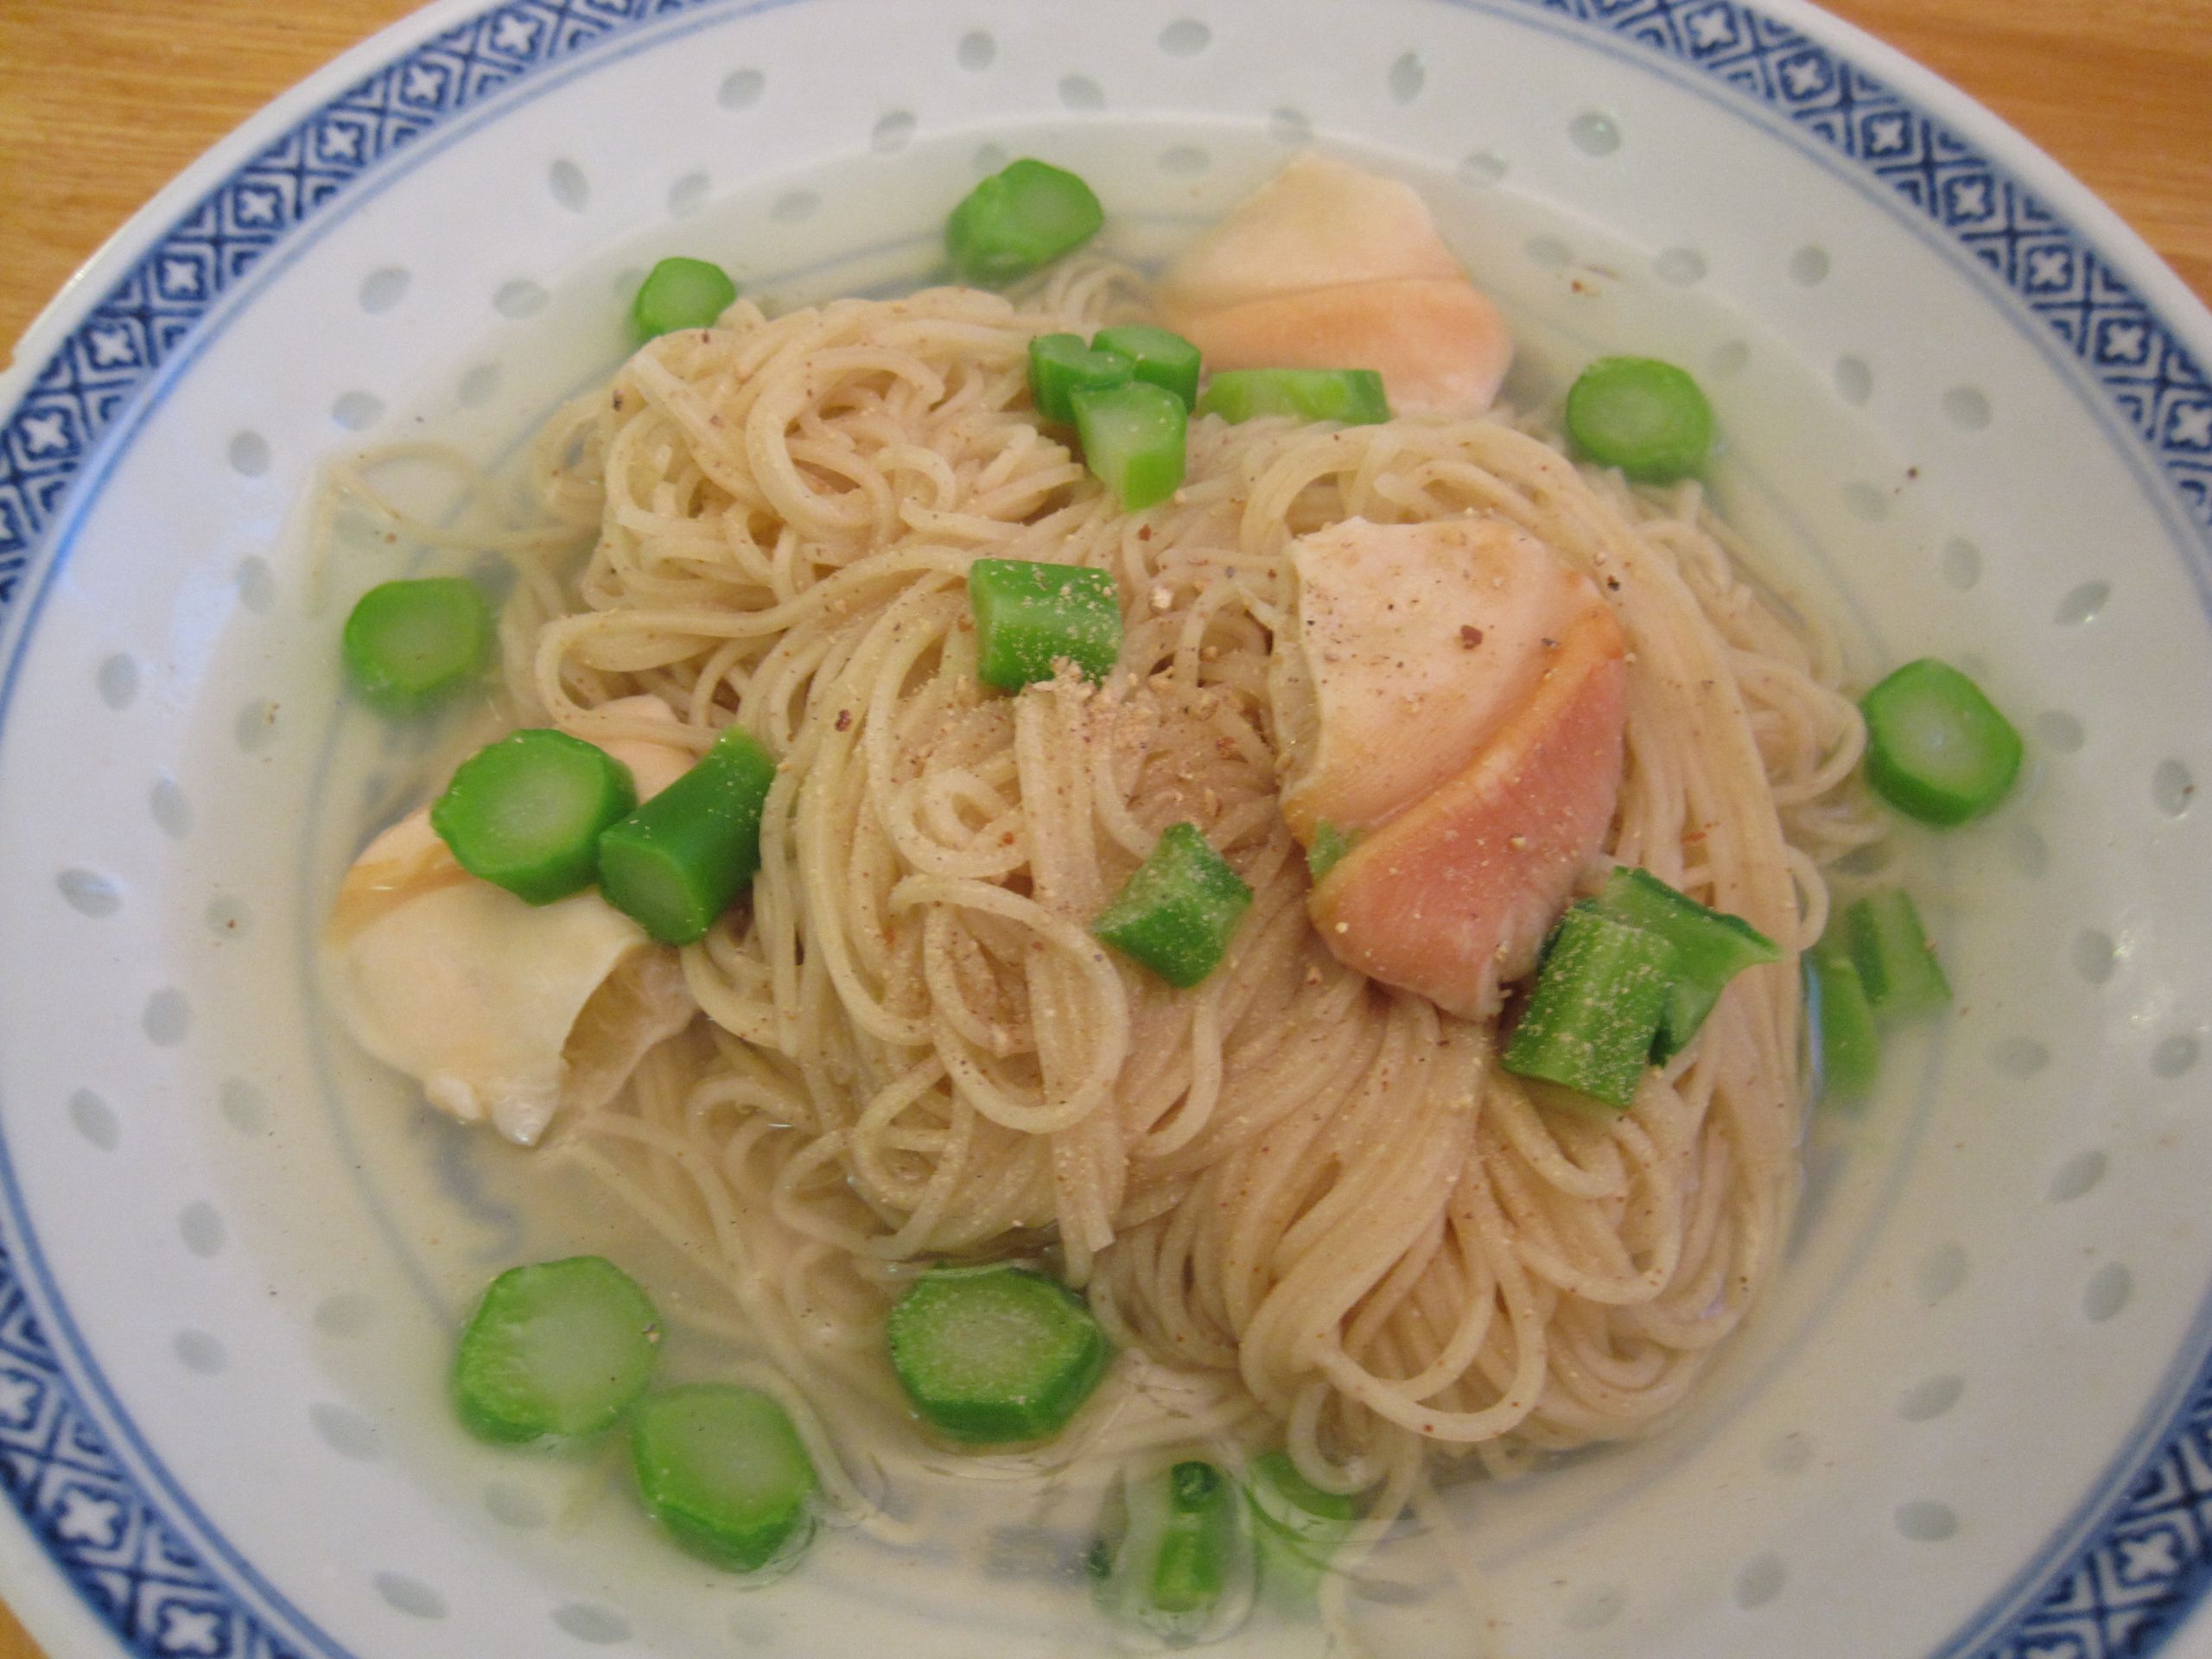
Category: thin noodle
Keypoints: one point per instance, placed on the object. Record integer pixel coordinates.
(1313, 1208)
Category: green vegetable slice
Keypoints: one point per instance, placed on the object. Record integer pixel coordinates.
(526, 811)
(1299, 1526)
(1846, 1047)
(1595, 1014)
(681, 293)
(1936, 747)
(1895, 957)
(1060, 364)
(995, 1355)
(1647, 417)
(1192, 1566)
(1179, 908)
(1024, 215)
(1356, 396)
(408, 643)
(721, 1469)
(1711, 948)
(681, 858)
(555, 1350)
(1165, 358)
(1330, 845)
(1030, 616)
(1134, 439)
(1174, 1553)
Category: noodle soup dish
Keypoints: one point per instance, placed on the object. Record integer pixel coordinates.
(1138, 831)
(1165, 902)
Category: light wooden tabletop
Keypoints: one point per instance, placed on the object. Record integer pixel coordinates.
(103, 101)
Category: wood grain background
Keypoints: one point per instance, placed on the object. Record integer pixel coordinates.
(103, 101)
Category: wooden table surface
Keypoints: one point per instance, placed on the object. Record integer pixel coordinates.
(103, 101)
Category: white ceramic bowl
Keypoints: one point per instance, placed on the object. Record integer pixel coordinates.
(1966, 413)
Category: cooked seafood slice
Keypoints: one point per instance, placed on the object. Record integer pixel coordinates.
(1329, 267)
(502, 1011)
(1450, 708)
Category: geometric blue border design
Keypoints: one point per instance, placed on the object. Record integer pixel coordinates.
(2142, 367)
(126, 1561)
(2147, 1564)
(2143, 1562)
(134, 329)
